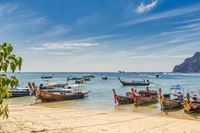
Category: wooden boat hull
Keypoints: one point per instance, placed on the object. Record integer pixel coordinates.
(48, 96)
(87, 79)
(170, 104)
(19, 93)
(46, 77)
(124, 100)
(140, 100)
(124, 83)
(193, 107)
(74, 78)
(88, 76)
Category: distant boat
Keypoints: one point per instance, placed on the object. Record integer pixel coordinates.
(74, 78)
(121, 71)
(46, 77)
(81, 81)
(88, 76)
(134, 83)
(104, 77)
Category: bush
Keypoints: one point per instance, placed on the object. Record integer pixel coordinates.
(11, 62)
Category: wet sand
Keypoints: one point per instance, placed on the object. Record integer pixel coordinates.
(75, 120)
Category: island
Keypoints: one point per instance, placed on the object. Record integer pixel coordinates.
(190, 65)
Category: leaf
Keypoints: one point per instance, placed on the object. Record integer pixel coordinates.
(3, 75)
(19, 63)
(7, 81)
(12, 57)
(14, 81)
(13, 66)
(9, 49)
(5, 53)
(4, 66)
(4, 44)
(1, 56)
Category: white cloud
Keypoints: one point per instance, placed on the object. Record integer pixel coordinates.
(15, 19)
(39, 20)
(60, 53)
(6, 9)
(163, 15)
(190, 26)
(54, 31)
(157, 56)
(63, 46)
(145, 8)
(191, 21)
(99, 38)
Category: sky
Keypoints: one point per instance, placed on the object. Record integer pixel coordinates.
(101, 35)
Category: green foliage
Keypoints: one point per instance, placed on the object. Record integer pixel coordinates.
(11, 62)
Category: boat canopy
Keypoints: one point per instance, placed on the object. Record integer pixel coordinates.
(19, 90)
(138, 81)
(52, 83)
(193, 91)
(74, 85)
(176, 89)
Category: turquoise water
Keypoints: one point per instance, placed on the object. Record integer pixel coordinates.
(101, 96)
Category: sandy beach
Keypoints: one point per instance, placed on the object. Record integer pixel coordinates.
(74, 120)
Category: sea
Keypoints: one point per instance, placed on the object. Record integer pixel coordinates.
(101, 95)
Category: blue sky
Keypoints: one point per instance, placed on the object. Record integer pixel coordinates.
(101, 35)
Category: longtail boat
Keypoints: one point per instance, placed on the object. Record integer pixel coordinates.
(82, 81)
(88, 76)
(192, 103)
(20, 92)
(104, 77)
(134, 83)
(141, 98)
(47, 96)
(86, 79)
(46, 77)
(73, 78)
(171, 100)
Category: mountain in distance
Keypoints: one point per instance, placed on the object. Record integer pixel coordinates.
(190, 65)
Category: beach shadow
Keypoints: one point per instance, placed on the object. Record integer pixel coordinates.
(173, 109)
(167, 111)
(195, 115)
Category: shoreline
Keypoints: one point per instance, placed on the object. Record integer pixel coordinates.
(74, 119)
